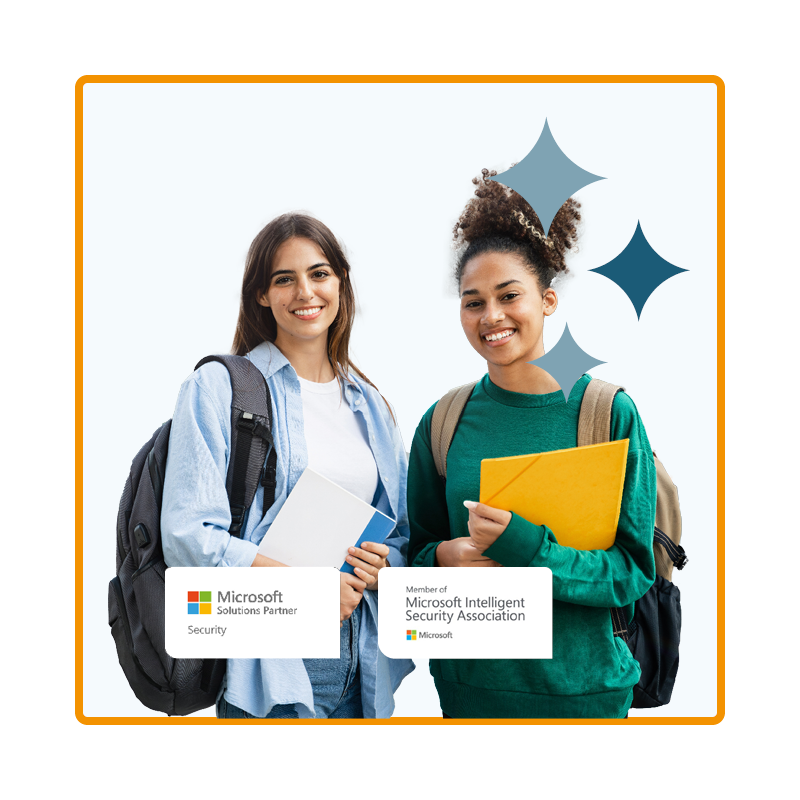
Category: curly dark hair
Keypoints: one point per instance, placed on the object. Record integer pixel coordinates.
(498, 220)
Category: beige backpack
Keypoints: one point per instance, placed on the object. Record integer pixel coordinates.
(654, 634)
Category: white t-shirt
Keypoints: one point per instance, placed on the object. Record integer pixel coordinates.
(336, 439)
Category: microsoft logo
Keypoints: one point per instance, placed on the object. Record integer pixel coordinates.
(199, 602)
(411, 635)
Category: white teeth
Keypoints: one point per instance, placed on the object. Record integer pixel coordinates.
(493, 337)
(305, 312)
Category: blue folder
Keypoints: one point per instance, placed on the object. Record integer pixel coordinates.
(378, 528)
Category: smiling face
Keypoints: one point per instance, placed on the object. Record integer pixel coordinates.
(303, 293)
(503, 309)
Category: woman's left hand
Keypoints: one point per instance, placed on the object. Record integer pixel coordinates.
(367, 561)
(485, 524)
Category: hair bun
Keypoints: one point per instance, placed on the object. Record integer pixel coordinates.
(499, 211)
(530, 229)
(500, 219)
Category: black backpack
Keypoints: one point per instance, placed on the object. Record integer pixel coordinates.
(654, 634)
(179, 686)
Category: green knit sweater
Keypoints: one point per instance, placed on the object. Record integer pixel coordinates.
(592, 673)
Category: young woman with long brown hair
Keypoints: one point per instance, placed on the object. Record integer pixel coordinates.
(295, 319)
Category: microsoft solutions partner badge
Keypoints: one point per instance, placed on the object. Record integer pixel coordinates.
(199, 602)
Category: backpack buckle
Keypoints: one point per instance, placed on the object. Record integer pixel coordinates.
(237, 519)
(269, 480)
(246, 422)
(681, 562)
(255, 428)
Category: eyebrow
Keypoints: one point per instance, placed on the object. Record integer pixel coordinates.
(496, 288)
(292, 272)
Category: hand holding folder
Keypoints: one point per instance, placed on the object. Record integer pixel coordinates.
(577, 492)
(319, 522)
(486, 525)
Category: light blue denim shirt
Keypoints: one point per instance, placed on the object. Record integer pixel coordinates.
(195, 517)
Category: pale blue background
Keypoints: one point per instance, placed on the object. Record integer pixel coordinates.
(179, 178)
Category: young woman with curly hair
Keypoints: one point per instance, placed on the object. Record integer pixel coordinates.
(296, 314)
(504, 271)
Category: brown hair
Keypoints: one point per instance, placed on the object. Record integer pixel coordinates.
(498, 220)
(257, 324)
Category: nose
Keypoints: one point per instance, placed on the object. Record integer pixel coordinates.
(305, 291)
(492, 314)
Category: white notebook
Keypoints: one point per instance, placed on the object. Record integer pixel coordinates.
(319, 522)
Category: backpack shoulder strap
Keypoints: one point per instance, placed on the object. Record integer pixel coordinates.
(445, 420)
(250, 390)
(594, 427)
(251, 438)
(594, 421)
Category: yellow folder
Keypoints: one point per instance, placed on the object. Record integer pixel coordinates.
(576, 492)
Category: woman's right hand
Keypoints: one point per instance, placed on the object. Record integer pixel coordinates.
(351, 590)
(461, 552)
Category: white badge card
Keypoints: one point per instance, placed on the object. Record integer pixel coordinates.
(252, 612)
(452, 612)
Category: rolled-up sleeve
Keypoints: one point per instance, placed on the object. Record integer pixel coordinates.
(195, 514)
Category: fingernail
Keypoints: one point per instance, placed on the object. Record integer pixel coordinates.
(470, 504)
(351, 549)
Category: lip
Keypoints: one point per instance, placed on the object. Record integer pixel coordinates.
(499, 342)
(306, 317)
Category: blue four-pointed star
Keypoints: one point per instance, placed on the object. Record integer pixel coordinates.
(638, 270)
(566, 362)
(546, 177)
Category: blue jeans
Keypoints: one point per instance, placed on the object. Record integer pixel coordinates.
(336, 683)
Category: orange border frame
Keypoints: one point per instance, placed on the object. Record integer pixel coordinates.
(748, 594)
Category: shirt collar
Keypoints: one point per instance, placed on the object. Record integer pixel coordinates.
(269, 359)
(354, 392)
